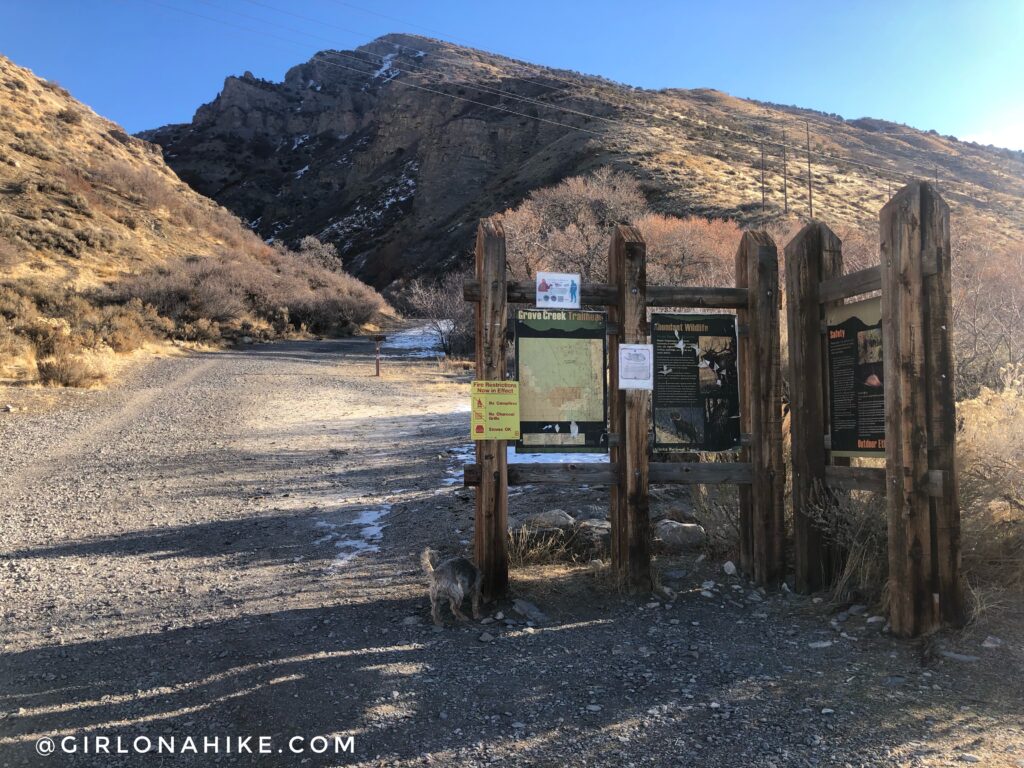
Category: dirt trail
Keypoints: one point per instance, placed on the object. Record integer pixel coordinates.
(225, 545)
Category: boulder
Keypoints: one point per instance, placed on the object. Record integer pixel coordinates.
(595, 536)
(674, 537)
(552, 518)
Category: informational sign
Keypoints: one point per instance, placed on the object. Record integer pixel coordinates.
(636, 366)
(560, 361)
(856, 391)
(494, 410)
(556, 290)
(696, 399)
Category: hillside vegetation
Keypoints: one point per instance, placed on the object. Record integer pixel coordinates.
(394, 150)
(103, 249)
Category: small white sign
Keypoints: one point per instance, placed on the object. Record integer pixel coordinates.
(636, 366)
(556, 290)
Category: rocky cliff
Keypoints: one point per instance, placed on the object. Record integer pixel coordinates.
(393, 151)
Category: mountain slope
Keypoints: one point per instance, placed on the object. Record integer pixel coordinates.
(392, 152)
(103, 247)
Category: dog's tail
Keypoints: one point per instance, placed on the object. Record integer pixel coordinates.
(428, 559)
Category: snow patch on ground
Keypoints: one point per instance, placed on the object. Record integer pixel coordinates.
(421, 341)
(367, 540)
(299, 173)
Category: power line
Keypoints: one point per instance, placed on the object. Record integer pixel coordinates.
(753, 139)
(505, 94)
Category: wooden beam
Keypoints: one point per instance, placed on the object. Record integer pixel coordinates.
(491, 519)
(873, 479)
(912, 607)
(525, 292)
(813, 256)
(601, 473)
(551, 474)
(856, 478)
(711, 473)
(629, 257)
(706, 298)
(604, 294)
(841, 286)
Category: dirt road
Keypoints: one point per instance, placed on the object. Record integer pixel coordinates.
(225, 546)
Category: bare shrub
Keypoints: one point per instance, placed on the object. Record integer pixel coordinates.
(565, 227)
(857, 523)
(988, 311)
(67, 370)
(716, 508)
(263, 283)
(70, 116)
(324, 254)
(448, 316)
(990, 442)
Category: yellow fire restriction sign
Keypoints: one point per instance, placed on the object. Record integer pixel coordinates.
(494, 409)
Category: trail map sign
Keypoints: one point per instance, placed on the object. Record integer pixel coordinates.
(557, 290)
(560, 357)
(494, 410)
(696, 384)
(855, 379)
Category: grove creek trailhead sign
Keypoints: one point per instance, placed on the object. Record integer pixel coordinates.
(561, 361)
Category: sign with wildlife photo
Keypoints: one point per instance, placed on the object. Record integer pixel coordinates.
(856, 390)
(494, 410)
(556, 290)
(696, 398)
(560, 365)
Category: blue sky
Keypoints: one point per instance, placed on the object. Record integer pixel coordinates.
(956, 67)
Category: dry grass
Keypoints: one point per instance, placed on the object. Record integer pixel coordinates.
(990, 445)
(528, 546)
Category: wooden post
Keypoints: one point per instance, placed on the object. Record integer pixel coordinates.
(630, 414)
(815, 254)
(616, 415)
(924, 535)
(761, 510)
(491, 522)
(945, 509)
(746, 544)
(378, 340)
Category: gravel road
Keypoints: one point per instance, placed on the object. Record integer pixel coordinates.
(225, 545)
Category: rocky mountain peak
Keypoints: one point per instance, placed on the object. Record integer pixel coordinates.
(393, 150)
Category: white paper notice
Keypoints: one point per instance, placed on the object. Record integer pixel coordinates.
(636, 366)
(556, 290)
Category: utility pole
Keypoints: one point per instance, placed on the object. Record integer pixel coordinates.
(762, 180)
(810, 190)
(785, 176)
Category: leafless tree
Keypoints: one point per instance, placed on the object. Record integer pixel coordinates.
(448, 315)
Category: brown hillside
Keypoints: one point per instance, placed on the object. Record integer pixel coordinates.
(103, 248)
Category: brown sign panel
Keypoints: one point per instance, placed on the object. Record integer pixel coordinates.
(856, 379)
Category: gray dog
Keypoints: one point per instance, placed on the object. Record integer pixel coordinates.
(454, 578)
